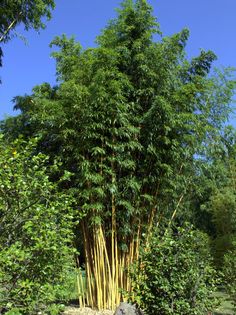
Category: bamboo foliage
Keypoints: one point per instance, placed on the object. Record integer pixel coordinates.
(136, 104)
(131, 147)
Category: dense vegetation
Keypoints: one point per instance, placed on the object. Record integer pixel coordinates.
(131, 145)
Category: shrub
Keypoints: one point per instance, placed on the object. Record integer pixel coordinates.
(35, 233)
(229, 271)
(174, 275)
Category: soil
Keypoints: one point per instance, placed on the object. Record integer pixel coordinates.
(73, 310)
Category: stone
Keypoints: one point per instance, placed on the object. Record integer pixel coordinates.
(128, 309)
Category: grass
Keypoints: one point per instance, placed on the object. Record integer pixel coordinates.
(226, 306)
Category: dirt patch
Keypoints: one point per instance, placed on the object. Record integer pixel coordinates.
(85, 311)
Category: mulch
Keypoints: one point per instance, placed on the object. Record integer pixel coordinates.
(73, 310)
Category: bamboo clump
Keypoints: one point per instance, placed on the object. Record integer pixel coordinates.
(106, 270)
(107, 264)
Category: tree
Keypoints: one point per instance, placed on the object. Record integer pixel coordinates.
(127, 120)
(35, 233)
(216, 210)
(27, 12)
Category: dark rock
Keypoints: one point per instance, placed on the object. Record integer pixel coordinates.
(128, 309)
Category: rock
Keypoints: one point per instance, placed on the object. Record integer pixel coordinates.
(128, 309)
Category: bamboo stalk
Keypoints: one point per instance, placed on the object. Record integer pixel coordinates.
(122, 266)
(151, 217)
(107, 266)
(113, 238)
(88, 269)
(174, 213)
(79, 290)
(108, 279)
(150, 225)
(100, 274)
(138, 241)
(117, 275)
(103, 270)
(9, 28)
(83, 290)
(96, 277)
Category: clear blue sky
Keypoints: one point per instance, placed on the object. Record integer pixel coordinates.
(212, 25)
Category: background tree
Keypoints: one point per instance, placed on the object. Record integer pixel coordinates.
(214, 210)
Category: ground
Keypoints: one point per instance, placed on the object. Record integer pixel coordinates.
(85, 311)
(225, 307)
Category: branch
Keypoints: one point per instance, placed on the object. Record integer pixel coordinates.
(174, 213)
(9, 28)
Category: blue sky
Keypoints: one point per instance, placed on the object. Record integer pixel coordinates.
(212, 25)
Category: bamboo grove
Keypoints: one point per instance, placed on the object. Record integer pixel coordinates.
(126, 119)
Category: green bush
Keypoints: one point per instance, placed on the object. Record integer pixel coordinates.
(229, 271)
(174, 275)
(35, 233)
